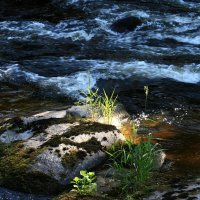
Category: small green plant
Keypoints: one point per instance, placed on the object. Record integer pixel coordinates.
(123, 160)
(100, 105)
(108, 106)
(85, 185)
(146, 91)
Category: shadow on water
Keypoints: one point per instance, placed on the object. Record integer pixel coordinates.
(25, 101)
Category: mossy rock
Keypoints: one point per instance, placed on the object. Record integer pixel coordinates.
(42, 164)
(14, 173)
(15, 124)
(38, 125)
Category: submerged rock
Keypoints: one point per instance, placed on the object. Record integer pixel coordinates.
(126, 24)
(159, 160)
(182, 189)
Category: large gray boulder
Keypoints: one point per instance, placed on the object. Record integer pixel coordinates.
(48, 150)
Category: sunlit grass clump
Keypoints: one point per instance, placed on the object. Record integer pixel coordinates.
(134, 163)
(101, 105)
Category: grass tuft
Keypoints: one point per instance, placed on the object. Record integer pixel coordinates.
(108, 106)
(133, 163)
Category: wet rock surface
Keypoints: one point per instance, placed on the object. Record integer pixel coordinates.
(126, 24)
(55, 146)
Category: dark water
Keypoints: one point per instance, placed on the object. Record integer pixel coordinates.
(48, 47)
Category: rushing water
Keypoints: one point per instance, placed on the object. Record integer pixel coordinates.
(45, 57)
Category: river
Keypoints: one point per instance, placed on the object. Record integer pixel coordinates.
(49, 49)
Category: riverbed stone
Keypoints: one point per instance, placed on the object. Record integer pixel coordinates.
(119, 116)
(104, 182)
(11, 136)
(159, 160)
(56, 129)
(82, 111)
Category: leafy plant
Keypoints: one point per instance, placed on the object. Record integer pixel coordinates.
(84, 185)
(123, 160)
(146, 91)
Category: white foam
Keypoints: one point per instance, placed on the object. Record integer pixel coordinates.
(74, 84)
(187, 39)
(71, 85)
(184, 38)
(138, 13)
(105, 25)
(66, 29)
(179, 19)
(121, 70)
(185, 3)
(184, 74)
(185, 28)
(71, 2)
